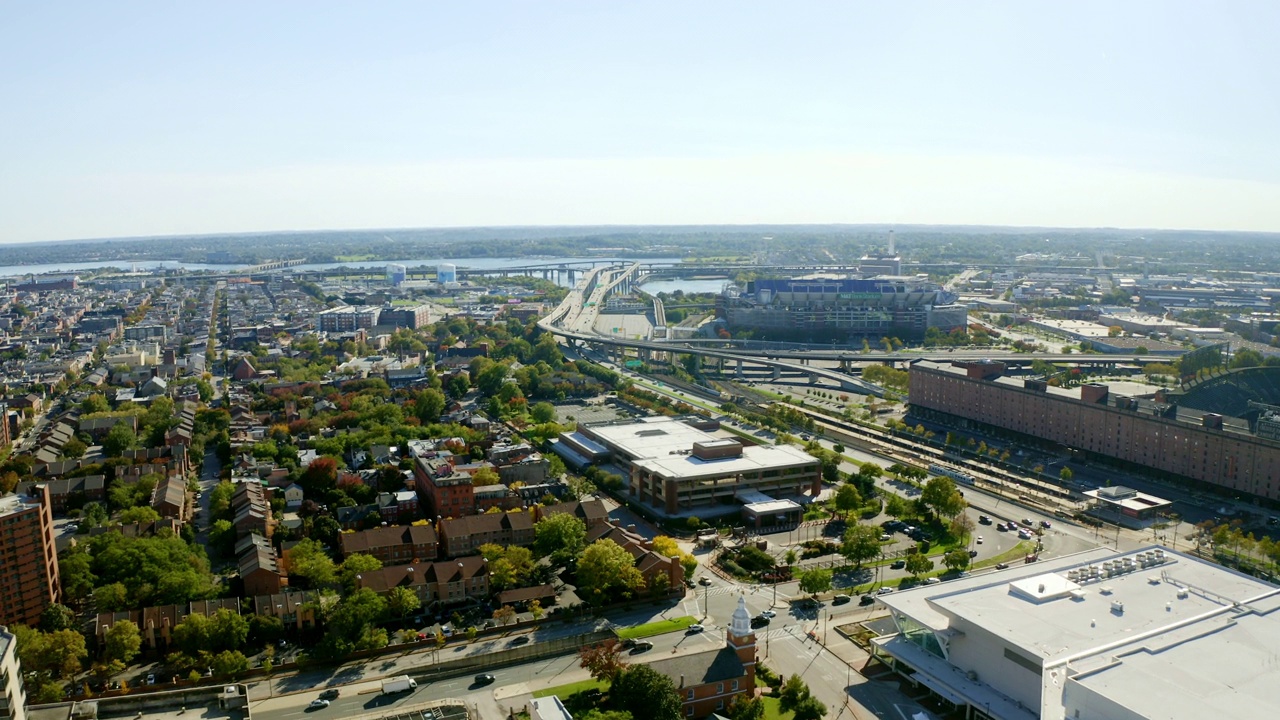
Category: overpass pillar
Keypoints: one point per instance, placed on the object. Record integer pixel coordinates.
(738, 371)
(777, 372)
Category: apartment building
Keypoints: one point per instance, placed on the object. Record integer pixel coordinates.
(28, 559)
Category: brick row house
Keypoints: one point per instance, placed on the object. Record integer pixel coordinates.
(393, 545)
(450, 582)
(464, 535)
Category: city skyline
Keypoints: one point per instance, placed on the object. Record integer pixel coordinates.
(143, 119)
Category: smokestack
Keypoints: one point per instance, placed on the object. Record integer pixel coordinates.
(891, 251)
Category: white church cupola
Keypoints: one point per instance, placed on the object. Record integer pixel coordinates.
(740, 626)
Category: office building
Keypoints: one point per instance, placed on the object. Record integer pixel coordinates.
(1098, 635)
(28, 559)
(673, 466)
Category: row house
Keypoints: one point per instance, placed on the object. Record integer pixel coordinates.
(653, 566)
(260, 569)
(393, 544)
(251, 509)
(501, 497)
(157, 623)
(464, 535)
(295, 609)
(170, 498)
(447, 583)
(69, 492)
(97, 428)
(592, 513)
(399, 506)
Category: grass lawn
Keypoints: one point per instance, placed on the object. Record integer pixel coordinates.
(656, 628)
(565, 691)
(1018, 552)
(773, 709)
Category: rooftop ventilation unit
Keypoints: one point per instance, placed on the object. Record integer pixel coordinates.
(1117, 607)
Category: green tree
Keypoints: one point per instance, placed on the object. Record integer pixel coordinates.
(918, 564)
(956, 559)
(792, 693)
(220, 499)
(817, 580)
(95, 403)
(1065, 474)
(847, 500)
(57, 617)
(640, 686)
(561, 537)
(940, 495)
(543, 412)
(401, 601)
(746, 707)
(122, 642)
(118, 439)
(309, 562)
(861, 543)
(809, 708)
(229, 662)
(605, 568)
(428, 405)
(356, 564)
(352, 625)
(140, 514)
(74, 448)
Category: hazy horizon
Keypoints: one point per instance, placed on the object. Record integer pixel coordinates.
(136, 120)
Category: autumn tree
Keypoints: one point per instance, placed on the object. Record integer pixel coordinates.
(603, 660)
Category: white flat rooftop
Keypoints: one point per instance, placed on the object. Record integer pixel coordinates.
(651, 437)
(753, 459)
(1050, 625)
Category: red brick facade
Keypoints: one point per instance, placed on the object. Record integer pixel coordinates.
(1244, 463)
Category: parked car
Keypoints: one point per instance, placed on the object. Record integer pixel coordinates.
(884, 591)
(931, 581)
(151, 679)
(628, 643)
(979, 540)
(704, 581)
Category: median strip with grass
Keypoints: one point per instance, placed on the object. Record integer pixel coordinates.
(564, 691)
(659, 627)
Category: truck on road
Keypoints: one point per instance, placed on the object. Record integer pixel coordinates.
(397, 684)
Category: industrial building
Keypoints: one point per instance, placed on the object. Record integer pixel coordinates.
(1098, 635)
(674, 467)
(840, 308)
(1174, 434)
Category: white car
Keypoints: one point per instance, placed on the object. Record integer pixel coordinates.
(979, 540)
(768, 613)
(318, 704)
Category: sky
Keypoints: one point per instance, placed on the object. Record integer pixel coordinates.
(134, 119)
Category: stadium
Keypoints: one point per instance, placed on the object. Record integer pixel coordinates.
(840, 309)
